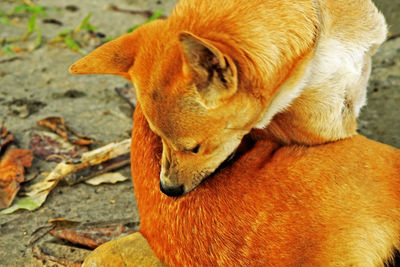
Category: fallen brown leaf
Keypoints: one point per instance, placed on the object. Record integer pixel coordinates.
(92, 237)
(12, 170)
(59, 126)
(5, 138)
(91, 163)
(55, 124)
(51, 147)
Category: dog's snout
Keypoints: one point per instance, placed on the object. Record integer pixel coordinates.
(172, 191)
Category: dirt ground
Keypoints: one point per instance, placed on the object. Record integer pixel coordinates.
(35, 85)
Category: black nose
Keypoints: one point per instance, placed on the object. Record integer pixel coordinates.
(172, 191)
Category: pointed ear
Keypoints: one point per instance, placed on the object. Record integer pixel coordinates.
(115, 57)
(214, 73)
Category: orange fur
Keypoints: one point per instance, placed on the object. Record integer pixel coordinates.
(331, 205)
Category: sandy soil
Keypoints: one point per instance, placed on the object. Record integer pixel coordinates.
(38, 82)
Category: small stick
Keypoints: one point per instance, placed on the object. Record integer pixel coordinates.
(146, 13)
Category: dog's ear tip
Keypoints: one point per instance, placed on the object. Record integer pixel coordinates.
(73, 69)
(79, 67)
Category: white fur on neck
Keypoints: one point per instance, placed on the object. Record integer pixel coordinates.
(335, 65)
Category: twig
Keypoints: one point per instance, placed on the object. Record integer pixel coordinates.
(98, 169)
(393, 36)
(10, 60)
(10, 40)
(39, 254)
(146, 13)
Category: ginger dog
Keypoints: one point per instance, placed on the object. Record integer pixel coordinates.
(336, 204)
(214, 70)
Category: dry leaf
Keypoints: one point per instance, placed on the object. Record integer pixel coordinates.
(87, 235)
(92, 237)
(5, 138)
(51, 147)
(56, 124)
(59, 126)
(12, 170)
(109, 178)
(37, 193)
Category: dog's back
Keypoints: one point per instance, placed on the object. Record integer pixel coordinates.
(331, 205)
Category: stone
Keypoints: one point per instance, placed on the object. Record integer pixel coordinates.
(131, 250)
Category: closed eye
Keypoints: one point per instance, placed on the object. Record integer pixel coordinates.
(194, 150)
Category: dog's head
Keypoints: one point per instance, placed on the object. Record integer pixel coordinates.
(188, 90)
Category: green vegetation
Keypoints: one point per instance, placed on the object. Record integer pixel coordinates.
(33, 11)
(74, 39)
(68, 36)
